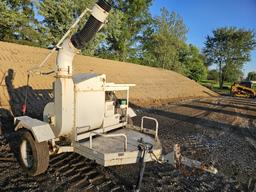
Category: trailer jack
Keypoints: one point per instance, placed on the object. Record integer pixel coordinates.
(143, 148)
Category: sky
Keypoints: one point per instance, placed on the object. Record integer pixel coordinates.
(203, 16)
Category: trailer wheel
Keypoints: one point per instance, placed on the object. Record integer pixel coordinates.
(33, 156)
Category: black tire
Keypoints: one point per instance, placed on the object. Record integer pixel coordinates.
(33, 156)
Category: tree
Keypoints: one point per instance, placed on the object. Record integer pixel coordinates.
(58, 16)
(232, 73)
(193, 63)
(18, 23)
(251, 76)
(213, 75)
(117, 38)
(230, 49)
(164, 40)
(126, 22)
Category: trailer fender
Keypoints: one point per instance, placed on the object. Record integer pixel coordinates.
(39, 129)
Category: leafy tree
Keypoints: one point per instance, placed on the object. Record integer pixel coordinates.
(18, 23)
(229, 48)
(164, 40)
(193, 63)
(232, 72)
(117, 38)
(113, 32)
(251, 76)
(58, 16)
(125, 25)
(213, 75)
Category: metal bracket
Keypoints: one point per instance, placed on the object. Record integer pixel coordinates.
(176, 159)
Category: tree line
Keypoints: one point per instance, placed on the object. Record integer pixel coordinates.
(229, 48)
(132, 34)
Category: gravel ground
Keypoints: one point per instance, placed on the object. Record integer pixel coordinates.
(220, 131)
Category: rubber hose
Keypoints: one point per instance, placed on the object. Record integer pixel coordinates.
(91, 27)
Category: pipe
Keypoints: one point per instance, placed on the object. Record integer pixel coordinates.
(97, 18)
(69, 47)
(65, 59)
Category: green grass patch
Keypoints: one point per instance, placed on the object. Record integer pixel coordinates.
(214, 85)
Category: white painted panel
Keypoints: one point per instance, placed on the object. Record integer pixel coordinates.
(111, 120)
(89, 82)
(90, 107)
(109, 108)
(64, 106)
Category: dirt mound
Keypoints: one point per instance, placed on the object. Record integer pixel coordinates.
(153, 86)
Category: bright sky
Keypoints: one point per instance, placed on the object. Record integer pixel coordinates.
(202, 16)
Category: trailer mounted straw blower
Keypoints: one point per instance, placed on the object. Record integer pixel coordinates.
(88, 115)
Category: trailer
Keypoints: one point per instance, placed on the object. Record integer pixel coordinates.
(90, 116)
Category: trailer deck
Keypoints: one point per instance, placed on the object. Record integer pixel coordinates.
(117, 147)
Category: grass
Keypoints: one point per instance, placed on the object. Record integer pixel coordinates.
(214, 85)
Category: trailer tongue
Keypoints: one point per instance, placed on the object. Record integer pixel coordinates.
(92, 115)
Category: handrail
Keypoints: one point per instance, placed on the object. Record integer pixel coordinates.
(150, 118)
(109, 135)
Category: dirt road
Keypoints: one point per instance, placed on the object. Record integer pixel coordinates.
(220, 130)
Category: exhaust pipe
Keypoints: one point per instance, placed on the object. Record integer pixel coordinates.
(97, 18)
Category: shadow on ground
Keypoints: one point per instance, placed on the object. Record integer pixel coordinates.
(208, 107)
(36, 99)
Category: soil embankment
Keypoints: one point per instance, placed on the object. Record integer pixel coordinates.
(153, 86)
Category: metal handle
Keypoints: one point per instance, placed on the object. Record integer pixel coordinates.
(150, 118)
(109, 135)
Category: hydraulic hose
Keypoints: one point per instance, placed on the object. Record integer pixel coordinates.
(97, 18)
